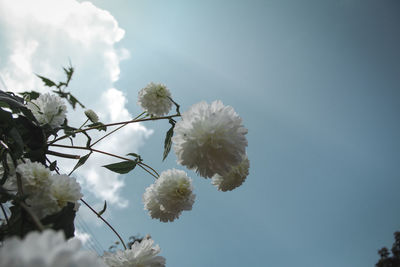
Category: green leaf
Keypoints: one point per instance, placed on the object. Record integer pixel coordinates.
(168, 139)
(72, 99)
(122, 167)
(28, 96)
(104, 208)
(47, 82)
(69, 72)
(81, 161)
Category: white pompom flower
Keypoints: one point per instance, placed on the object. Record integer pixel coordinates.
(155, 99)
(35, 177)
(48, 109)
(210, 139)
(234, 178)
(65, 189)
(156, 211)
(171, 194)
(46, 249)
(140, 254)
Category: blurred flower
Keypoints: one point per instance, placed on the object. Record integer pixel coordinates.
(140, 254)
(46, 249)
(234, 178)
(210, 139)
(169, 195)
(155, 99)
(48, 109)
(92, 116)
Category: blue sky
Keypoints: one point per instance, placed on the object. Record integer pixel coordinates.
(317, 85)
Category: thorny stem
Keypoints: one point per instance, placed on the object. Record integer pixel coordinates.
(105, 221)
(141, 164)
(113, 131)
(114, 124)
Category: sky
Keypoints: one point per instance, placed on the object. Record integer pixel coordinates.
(317, 86)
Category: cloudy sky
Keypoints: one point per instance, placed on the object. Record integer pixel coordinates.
(316, 83)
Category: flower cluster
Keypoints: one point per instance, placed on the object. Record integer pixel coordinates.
(46, 193)
(140, 254)
(155, 99)
(169, 195)
(210, 139)
(46, 249)
(48, 109)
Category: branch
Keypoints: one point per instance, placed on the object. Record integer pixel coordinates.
(104, 220)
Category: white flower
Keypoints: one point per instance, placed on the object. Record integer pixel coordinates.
(142, 254)
(169, 195)
(65, 189)
(155, 99)
(34, 176)
(151, 204)
(46, 249)
(48, 109)
(234, 178)
(210, 139)
(92, 116)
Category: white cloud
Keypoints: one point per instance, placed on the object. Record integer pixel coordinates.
(40, 37)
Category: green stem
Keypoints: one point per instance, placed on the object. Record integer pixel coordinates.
(83, 124)
(113, 131)
(114, 124)
(63, 155)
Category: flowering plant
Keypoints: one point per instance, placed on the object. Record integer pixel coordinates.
(34, 196)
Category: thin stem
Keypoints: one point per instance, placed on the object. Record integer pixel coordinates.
(141, 164)
(83, 124)
(144, 164)
(104, 220)
(5, 214)
(63, 155)
(114, 124)
(113, 131)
